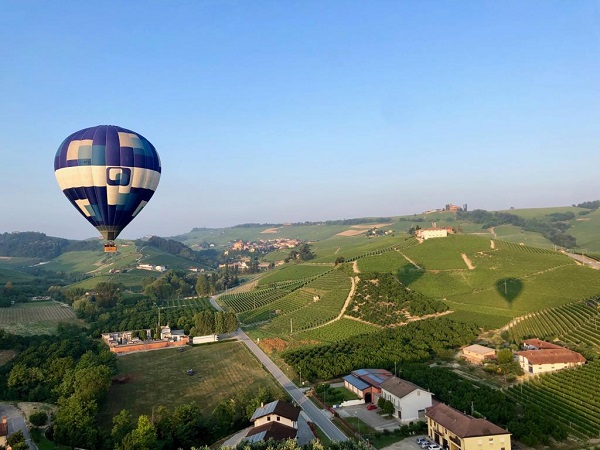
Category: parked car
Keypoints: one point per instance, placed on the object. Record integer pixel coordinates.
(371, 407)
(420, 440)
(425, 443)
(434, 447)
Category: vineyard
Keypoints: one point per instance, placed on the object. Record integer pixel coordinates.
(571, 396)
(251, 300)
(294, 272)
(33, 318)
(172, 310)
(314, 304)
(574, 324)
(336, 331)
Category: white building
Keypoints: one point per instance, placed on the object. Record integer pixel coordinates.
(542, 356)
(409, 400)
(434, 232)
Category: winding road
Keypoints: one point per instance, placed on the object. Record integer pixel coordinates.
(315, 414)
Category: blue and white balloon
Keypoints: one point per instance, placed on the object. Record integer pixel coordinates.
(109, 174)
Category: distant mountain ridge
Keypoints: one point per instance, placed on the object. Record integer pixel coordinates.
(32, 244)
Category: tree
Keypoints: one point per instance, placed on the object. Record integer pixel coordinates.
(388, 407)
(141, 438)
(17, 441)
(122, 426)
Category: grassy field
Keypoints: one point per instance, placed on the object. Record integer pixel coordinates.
(36, 318)
(159, 377)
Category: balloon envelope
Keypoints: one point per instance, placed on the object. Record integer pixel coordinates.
(109, 174)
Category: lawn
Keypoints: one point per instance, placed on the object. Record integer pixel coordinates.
(159, 377)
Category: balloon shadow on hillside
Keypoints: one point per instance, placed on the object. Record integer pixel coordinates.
(509, 289)
(408, 274)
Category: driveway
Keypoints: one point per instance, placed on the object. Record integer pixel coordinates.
(370, 417)
(16, 422)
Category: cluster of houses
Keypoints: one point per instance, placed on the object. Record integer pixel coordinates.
(536, 357)
(264, 245)
(446, 426)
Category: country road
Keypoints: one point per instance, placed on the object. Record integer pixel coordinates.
(315, 414)
(584, 260)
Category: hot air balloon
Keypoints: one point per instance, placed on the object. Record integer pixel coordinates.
(109, 174)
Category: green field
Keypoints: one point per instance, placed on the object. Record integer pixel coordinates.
(36, 317)
(158, 377)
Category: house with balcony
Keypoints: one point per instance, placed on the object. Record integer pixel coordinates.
(454, 430)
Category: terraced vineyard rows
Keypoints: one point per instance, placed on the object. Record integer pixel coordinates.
(574, 323)
(571, 396)
(316, 303)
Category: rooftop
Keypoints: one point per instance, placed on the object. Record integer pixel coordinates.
(537, 343)
(461, 424)
(275, 430)
(552, 356)
(479, 349)
(279, 408)
(399, 387)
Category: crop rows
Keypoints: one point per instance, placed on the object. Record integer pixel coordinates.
(575, 323)
(337, 331)
(245, 301)
(327, 297)
(571, 396)
(403, 245)
(521, 248)
(30, 313)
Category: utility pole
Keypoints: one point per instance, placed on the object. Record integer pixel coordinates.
(291, 326)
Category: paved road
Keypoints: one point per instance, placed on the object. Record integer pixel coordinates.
(585, 260)
(16, 422)
(315, 414)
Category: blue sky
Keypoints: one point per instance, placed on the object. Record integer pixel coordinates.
(276, 111)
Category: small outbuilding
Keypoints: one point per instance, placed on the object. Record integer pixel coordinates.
(477, 354)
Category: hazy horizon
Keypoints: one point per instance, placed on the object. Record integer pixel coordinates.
(276, 112)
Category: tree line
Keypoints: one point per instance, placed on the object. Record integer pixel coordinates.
(552, 227)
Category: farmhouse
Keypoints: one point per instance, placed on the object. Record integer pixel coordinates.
(277, 420)
(454, 430)
(409, 400)
(366, 383)
(477, 354)
(433, 232)
(3, 431)
(541, 356)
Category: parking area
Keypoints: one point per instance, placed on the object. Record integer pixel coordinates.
(409, 443)
(370, 417)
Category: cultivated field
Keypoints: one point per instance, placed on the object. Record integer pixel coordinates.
(159, 377)
(36, 318)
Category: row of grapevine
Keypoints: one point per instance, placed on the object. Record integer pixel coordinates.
(245, 301)
(326, 297)
(401, 246)
(571, 396)
(522, 248)
(574, 323)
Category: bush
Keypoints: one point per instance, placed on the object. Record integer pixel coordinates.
(38, 418)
